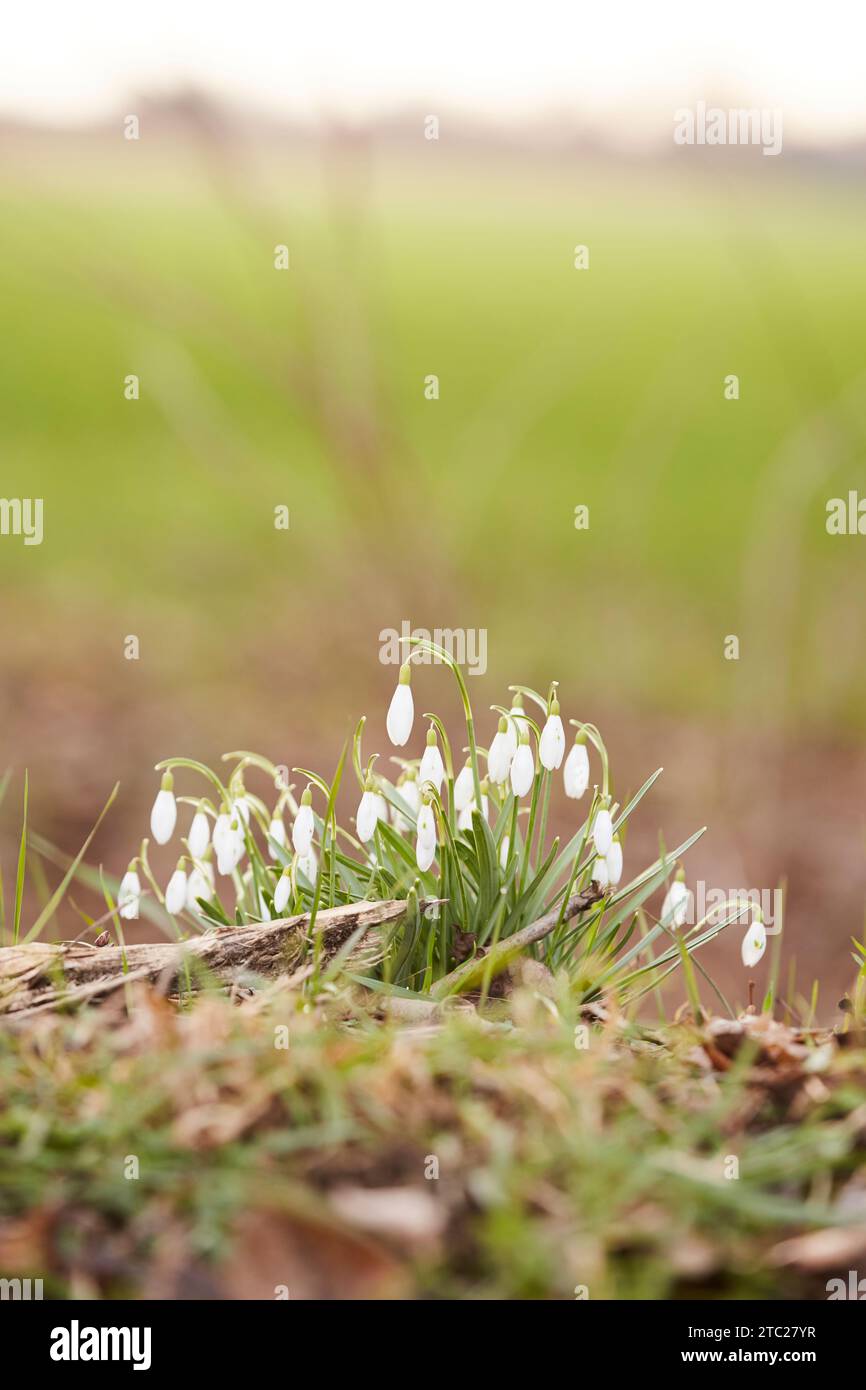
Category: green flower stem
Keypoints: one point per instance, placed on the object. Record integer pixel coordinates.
(530, 830)
(546, 780)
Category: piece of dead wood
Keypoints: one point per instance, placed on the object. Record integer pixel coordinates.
(40, 977)
(471, 974)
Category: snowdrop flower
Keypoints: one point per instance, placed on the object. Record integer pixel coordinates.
(675, 908)
(754, 942)
(175, 893)
(602, 831)
(551, 745)
(464, 788)
(368, 814)
(129, 894)
(519, 722)
(276, 832)
(503, 851)
(283, 890)
(425, 853)
(198, 838)
(381, 807)
(197, 886)
(426, 825)
(302, 830)
(309, 865)
(464, 820)
(523, 767)
(228, 842)
(576, 771)
(242, 808)
(501, 755)
(613, 862)
(407, 788)
(432, 768)
(425, 841)
(600, 873)
(163, 817)
(401, 711)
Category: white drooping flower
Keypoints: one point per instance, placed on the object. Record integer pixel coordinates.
(464, 820)
(277, 833)
(309, 865)
(367, 815)
(519, 722)
(304, 825)
(241, 807)
(425, 853)
(754, 942)
(600, 874)
(163, 817)
(523, 767)
(407, 788)
(425, 839)
(675, 908)
(426, 824)
(401, 711)
(197, 886)
(129, 895)
(283, 890)
(175, 893)
(501, 755)
(464, 788)
(576, 771)
(198, 838)
(432, 768)
(503, 851)
(381, 808)
(551, 745)
(602, 831)
(613, 860)
(228, 842)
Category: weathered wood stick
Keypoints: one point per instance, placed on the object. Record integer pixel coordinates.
(40, 976)
(471, 974)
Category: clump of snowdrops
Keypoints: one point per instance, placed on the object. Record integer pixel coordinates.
(460, 833)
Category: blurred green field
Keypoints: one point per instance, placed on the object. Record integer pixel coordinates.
(558, 387)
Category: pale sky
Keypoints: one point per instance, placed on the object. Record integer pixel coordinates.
(508, 61)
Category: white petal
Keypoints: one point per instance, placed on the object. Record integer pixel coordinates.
(282, 892)
(302, 830)
(754, 944)
(432, 767)
(552, 744)
(410, 794)
(675, 908)
(613, 859)
(426, 826)
(197, 887)
(576, 771)
(401, 714)
(277, 832)
(503, 851)
(368, 813)
(128, 895)
(425, 853)
(500, 757)
(464, 820)
(163, 817)
(175, 893)
(309, 865)
(198, 838)
(522, 770)
(602, 832)
(599, 872)
(464, 789)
